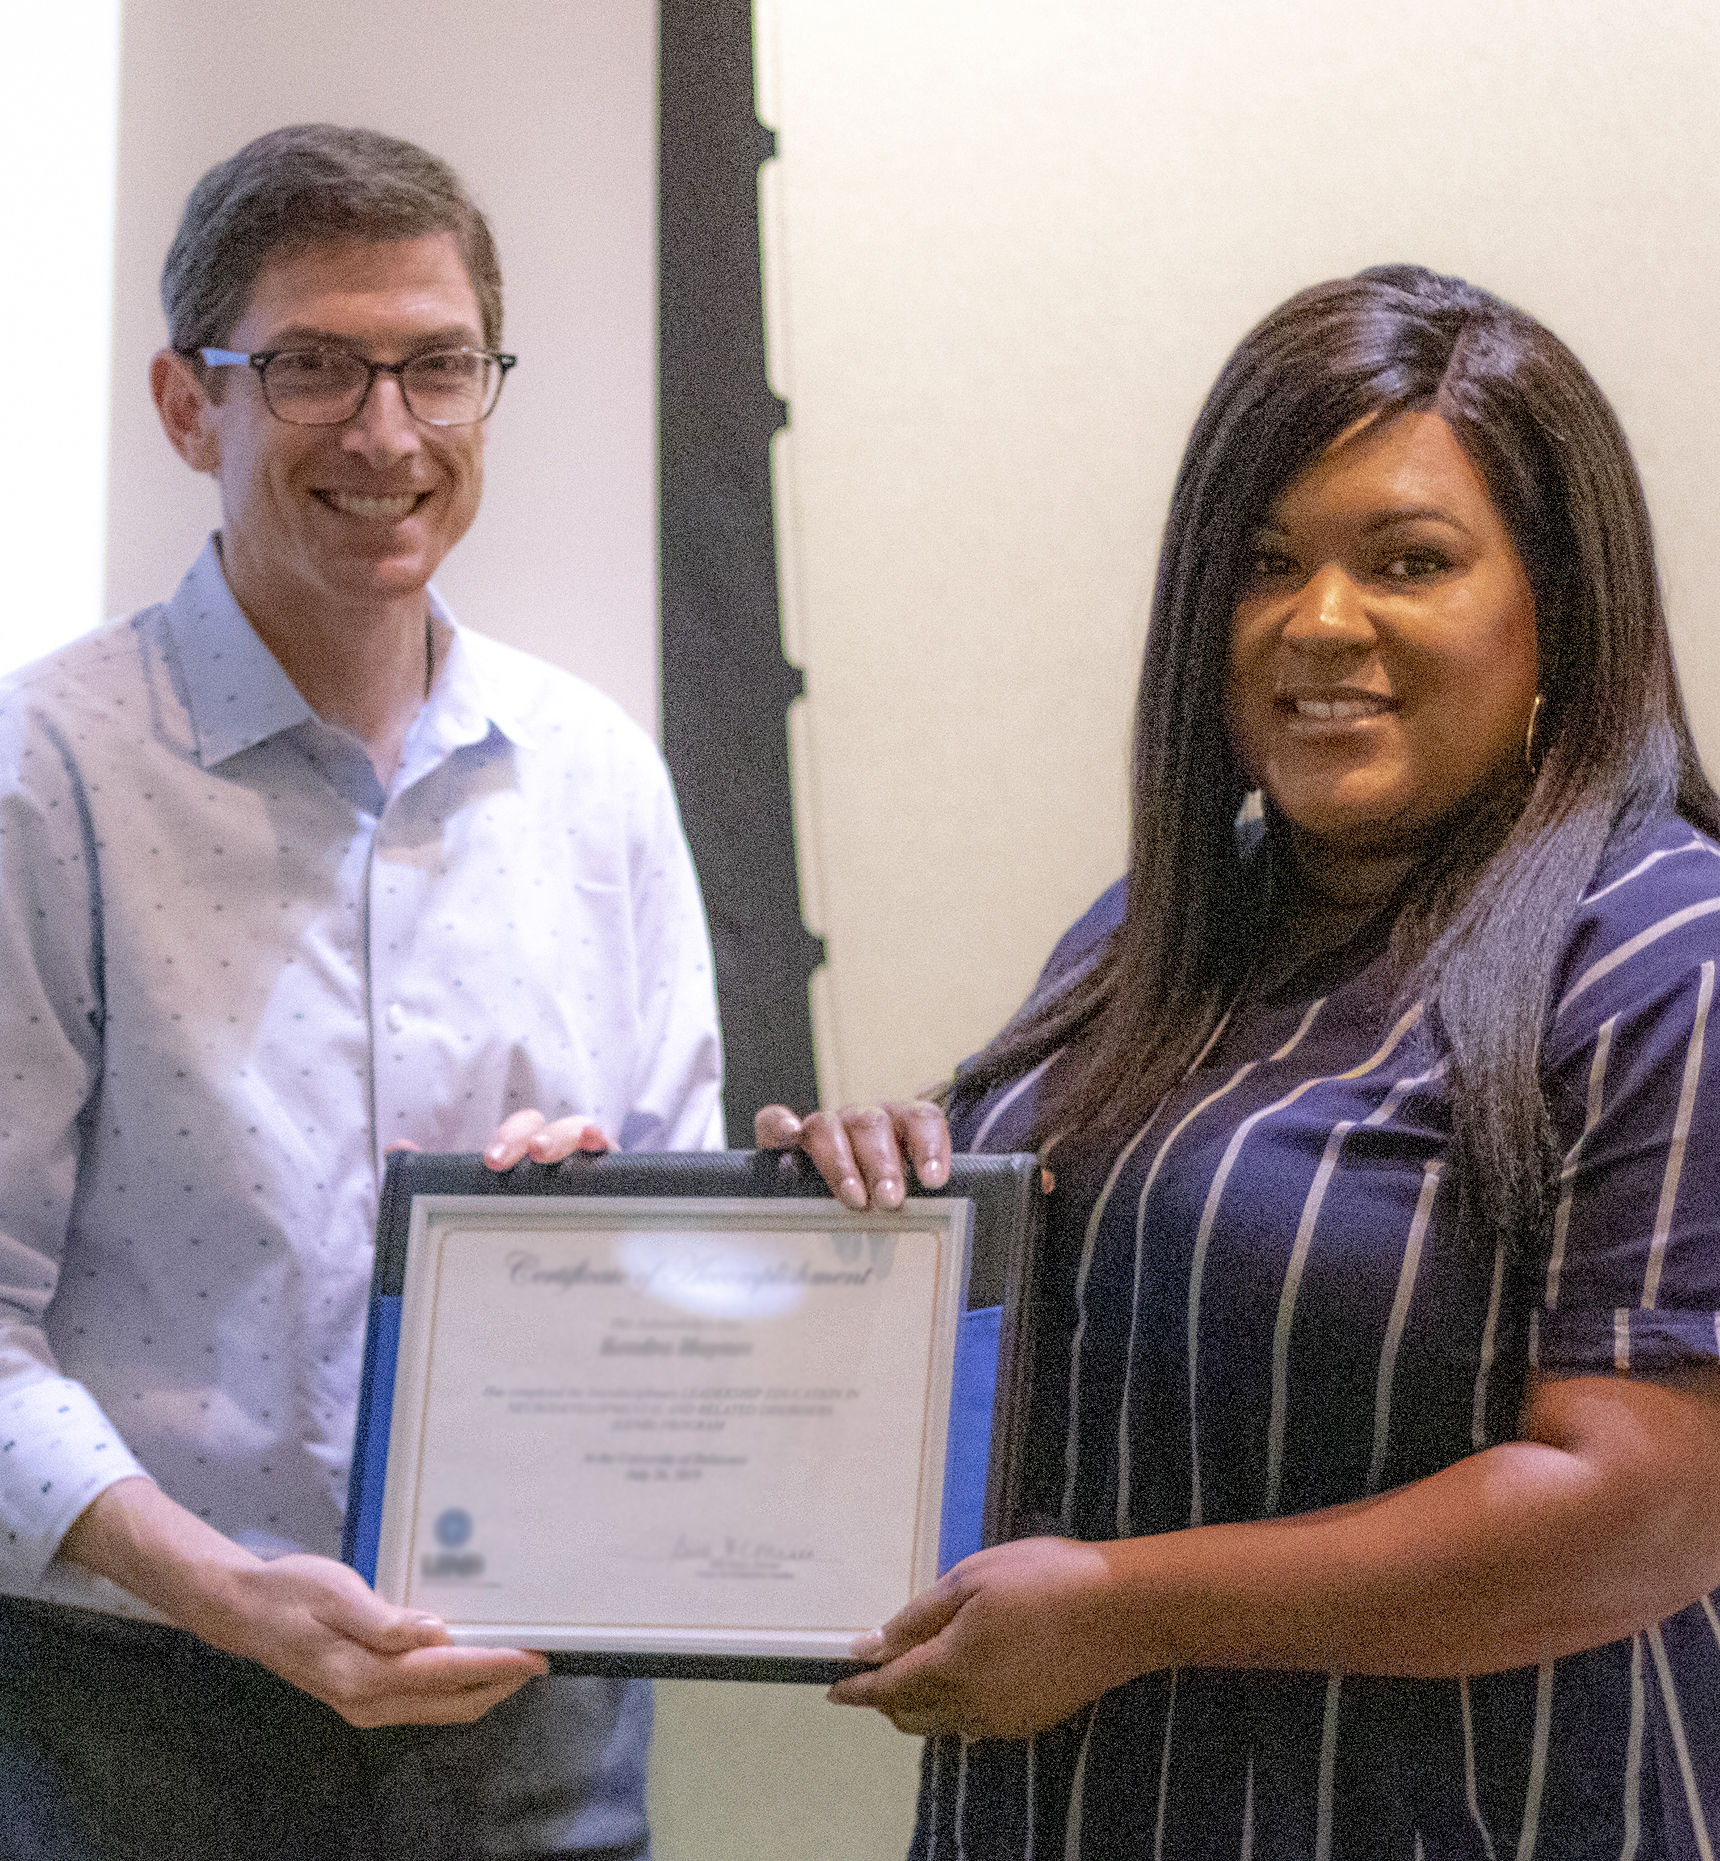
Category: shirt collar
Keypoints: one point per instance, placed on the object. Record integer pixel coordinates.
(238, 695)
(234, 687)
(469, 695)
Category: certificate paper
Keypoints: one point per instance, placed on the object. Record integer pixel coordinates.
(639, 1425)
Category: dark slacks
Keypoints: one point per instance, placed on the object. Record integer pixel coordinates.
(124, 1741)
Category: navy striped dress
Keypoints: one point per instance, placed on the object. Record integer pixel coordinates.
(1268, 1302)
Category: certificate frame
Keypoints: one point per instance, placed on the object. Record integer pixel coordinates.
(970, 1477)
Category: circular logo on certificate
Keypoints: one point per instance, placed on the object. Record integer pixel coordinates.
(453, 1527)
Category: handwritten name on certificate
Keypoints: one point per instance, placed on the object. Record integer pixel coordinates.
(635, 1427)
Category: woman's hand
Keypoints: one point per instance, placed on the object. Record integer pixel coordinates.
(863, 1151)
(1012, 1640)
(1601, 1520)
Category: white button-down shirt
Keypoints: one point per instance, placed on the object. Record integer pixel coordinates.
(233, 970)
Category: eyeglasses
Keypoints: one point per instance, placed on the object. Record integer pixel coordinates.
(327, 387)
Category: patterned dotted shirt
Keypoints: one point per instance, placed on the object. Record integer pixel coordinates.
(233, 969)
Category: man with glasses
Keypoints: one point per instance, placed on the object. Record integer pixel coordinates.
(294, 870)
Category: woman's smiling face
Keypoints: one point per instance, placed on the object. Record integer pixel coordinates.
(1383, 657)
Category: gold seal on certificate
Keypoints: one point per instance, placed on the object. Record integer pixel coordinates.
(664, 1431)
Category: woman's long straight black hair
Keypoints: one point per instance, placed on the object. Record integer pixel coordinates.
(1480, 938)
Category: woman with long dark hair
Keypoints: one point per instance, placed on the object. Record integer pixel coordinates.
(1375, 1435)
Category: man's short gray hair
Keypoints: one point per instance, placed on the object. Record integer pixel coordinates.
(304, 186)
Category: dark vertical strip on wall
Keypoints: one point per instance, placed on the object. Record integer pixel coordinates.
(726, 686)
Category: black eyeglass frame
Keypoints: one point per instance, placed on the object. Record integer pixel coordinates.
(261, 358)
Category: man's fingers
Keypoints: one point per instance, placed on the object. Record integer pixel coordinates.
(530, 1134)
(439, 1709)
(401, 1633)
(554, 1141)
(508, 1145)
(433, 1686)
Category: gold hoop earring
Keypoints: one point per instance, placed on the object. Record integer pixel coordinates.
(1534, 755)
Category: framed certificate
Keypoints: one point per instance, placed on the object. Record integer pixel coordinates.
(685, 1414)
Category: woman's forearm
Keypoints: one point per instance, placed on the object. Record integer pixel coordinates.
(1607, 1521)
(1603, 1520)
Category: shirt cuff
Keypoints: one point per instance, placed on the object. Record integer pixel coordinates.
(57, 1452)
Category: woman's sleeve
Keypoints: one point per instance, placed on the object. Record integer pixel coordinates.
(1632, 1068)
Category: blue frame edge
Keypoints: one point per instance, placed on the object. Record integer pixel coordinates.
(973, 1389)
(362, 1532)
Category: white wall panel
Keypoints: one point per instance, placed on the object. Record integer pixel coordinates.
(1007, 248)
(548, 110)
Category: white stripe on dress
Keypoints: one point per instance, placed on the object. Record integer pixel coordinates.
(1633, 945)
(1071, 1445)
(1621, 1340)
(1071, 1450)
(1633, 1755)
(961, 1794)
(1680, 1137)
(1165, 1771)
(1089, 1241)
(1032, 1783)
(1568, 1175)
(1400, 1317)
(1246, 1852)
(1469, 1789)
(1697, 845)
(1009, 1098)
(1675, 1725)
(1713, 1619)
(932, 1819)
(1328, 1770)
(1380, 1115)
(1078, 1790)
(1287, 1312)
(1202, 1240)
(1489, 1344)
(1537, 1763)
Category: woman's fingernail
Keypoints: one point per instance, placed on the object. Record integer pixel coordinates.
(869, 1646)
(932, 1172)
(495, 1153)
(852, 1192)
(889, 1191)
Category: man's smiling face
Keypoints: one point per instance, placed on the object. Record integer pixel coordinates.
(356, 516)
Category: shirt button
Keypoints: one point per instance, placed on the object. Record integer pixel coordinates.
(396, 1017)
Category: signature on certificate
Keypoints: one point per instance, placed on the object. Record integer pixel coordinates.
(728, 1556)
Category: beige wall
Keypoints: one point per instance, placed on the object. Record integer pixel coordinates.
(1007, 249)
(548, 109)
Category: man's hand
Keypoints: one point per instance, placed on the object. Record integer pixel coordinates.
(1012, 1640)
(863, 1151)
(308, 1619)
(320, 1625)
(531, 1134)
